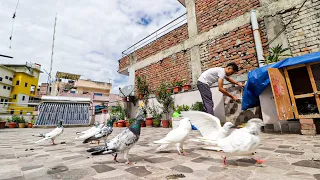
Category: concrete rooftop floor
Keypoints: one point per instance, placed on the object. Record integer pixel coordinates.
(288, 156)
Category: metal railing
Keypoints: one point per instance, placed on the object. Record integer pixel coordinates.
(181, 20)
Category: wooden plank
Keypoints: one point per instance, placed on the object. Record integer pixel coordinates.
(304, 96)
(293, 101)
(280, 93)
(314, 86)
(311, 116)
(295, 67)
(313, 63)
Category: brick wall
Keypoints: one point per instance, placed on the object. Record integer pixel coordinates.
(214, 13)
(173, 67)
(173, 38)
(124, 62)
(304, 31)
(236, 46)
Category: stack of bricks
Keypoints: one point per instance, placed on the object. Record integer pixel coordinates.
(211, 14)
(235, 46)
(304, 31)
(308, 127)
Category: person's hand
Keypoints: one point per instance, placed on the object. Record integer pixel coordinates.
(235, 99)
(241, 85)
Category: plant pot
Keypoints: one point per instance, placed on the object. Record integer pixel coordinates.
(121, 123)
(12, 124)
(176, 89)
(169, 90)
(143, 124)
(115, 124)
(140, 96)
(30, 125)
(149, 122)
(2, 125)
(156, 123)
(165, 123)
(124, 99)
(186, 87)
(22, 125)
(157, 93)
(127, 124)
(104, 111)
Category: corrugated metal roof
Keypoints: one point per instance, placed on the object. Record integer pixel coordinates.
(65, 98)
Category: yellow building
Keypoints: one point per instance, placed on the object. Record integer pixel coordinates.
(24, 88)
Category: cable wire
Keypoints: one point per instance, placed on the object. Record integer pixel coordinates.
(13, 18)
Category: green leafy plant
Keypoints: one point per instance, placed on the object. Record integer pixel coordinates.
(33, 121)
(155, 113)
(165, 99)
(182, 108)
(9, 120)
(22, 120)
(275, 53)
(131, 120)
(198, 106)
(177, 84)
(142, 86)
(15, 118)
(2, 120)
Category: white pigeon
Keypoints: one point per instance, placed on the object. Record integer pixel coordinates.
(53, 134)
(91, 133)
(208, 125)
(241, 142)
(177, 136)
(95, 126)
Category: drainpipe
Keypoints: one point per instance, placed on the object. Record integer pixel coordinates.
(257, 37)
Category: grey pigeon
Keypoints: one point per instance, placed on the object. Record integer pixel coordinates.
(101, 135)
(123, 142)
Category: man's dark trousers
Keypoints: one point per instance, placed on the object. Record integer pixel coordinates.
(206, 96)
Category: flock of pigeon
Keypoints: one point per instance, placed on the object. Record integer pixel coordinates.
(240, 142)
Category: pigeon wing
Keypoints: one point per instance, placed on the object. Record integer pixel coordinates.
(238, 141)
(204, 122)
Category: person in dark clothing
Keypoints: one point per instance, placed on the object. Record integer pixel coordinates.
(211, 76)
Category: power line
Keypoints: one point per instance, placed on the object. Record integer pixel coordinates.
(13, 18)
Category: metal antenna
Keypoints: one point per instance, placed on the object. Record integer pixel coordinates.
(54, 33)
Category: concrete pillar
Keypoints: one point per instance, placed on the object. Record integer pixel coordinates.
(193, 31)
(195, 63)
(191, 18)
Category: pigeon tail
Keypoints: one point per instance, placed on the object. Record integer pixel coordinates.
(97, 149)
(86, 141)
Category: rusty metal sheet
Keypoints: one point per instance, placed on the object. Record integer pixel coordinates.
(281, 94)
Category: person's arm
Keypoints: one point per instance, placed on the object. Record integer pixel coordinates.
(234, 82)
(224, 91)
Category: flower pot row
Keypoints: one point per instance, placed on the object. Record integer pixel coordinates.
(148, 123)
(15, 125)
(177, 89)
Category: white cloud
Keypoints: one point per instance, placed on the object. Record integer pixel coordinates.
(90, 34)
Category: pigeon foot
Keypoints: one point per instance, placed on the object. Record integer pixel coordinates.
(129, 163)
(260, 161)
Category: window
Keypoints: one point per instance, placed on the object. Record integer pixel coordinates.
(23, 98)
(25, 84)
(21, 111)
(10, 79)
(8, 88)
(14, 96)
(18, 82)
(4, 87)
(2, 100)
(6, 77)
(97, 94)
(6, 100)
(12, 111)
(0, 78)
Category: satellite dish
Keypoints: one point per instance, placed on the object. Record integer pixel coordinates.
(126, 91)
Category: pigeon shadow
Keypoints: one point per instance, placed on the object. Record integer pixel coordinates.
(245, 162)
(133, 158)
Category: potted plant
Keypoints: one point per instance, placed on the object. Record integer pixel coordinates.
(198, 106)
(166, 101)
(142, 87)
(275, 54)
(177, 86)
(2, 123)
(22, 122)
(31, 123)
(186, 86)
(156, 115)
(11, 123)
(169, 88)
(16, 119)
(129, 122)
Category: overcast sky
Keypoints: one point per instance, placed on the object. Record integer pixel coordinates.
(90, 34)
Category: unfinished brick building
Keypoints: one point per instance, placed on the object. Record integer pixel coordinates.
(215, 33)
